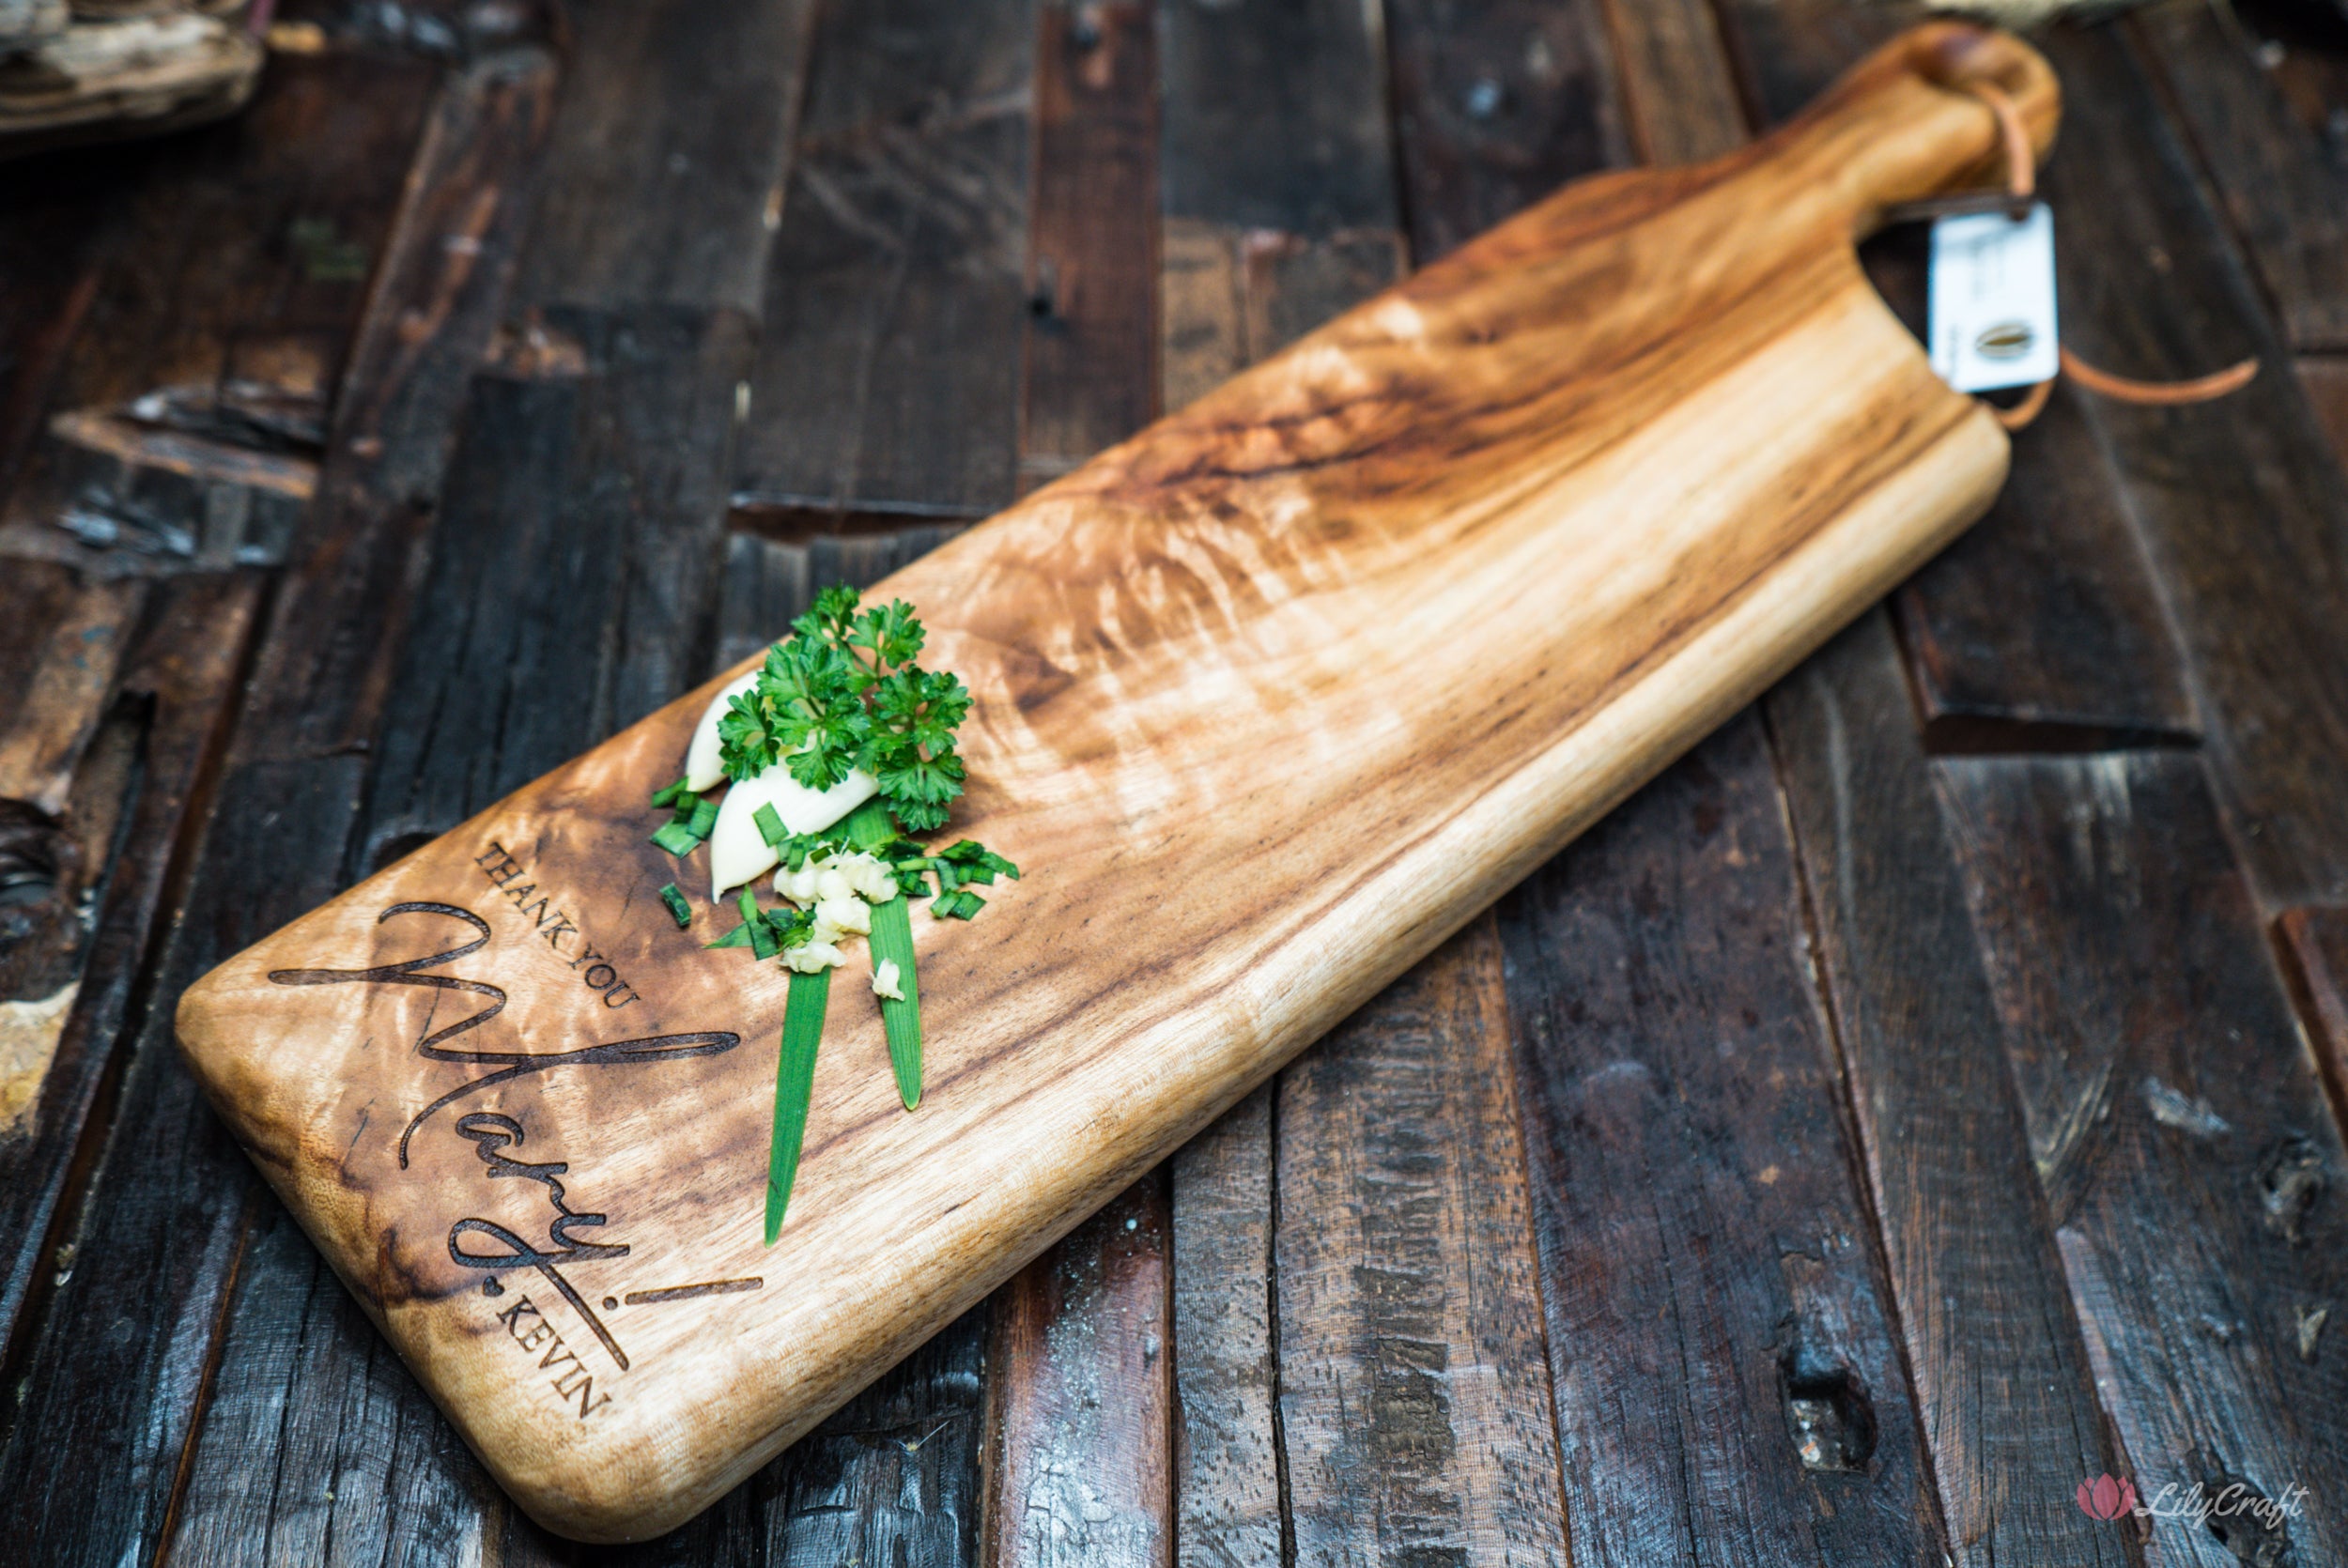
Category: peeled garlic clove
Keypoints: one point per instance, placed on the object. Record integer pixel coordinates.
(885, 980)
(849, 914)
(738, 851)
(810, 957)
(875, 882)
(702, 767)
(799, 885)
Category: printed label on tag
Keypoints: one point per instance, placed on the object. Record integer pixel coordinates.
(1993, 299)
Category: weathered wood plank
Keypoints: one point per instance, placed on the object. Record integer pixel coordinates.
(318, 686)
(315, 1449)
(1275, 118)
(121, 1362)
(2263, 127)
(2324, 379)
(68, 983)
(1228, 1506)
(2314, 945)
(573, 584)
(1082, 1369)
(1679, 99)
(162, 1231)
(1414, 1394)
(2240, 503)
(1729, 1381)
(1496, 104)
(196, 393)
(62, 636)
(1091, 337)
(772, 573)
(2042, 627)
(2180, 1130)
(54, 216)
(888, 370)
(668, 156)
(2000, 1373)
(573, 580)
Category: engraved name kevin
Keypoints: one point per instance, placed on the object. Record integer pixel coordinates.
(572, 1236)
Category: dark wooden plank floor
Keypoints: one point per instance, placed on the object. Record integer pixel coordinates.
(1922, 1099)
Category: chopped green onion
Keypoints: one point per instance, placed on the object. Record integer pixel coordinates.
(679, 911)
(957, 905)
(949, 876)
(738, 937)
(670, 795)
(762, 943)
(794, 1086)
(891, 942)
(696, 815)
(769, 825)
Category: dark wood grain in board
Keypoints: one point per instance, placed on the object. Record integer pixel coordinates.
(2180, 1130)
(1092, 266)
(1730, 1384)
(896, 296)
(1978, 1291)
(1414, 1394)
(161, 1236)
(1495, 104)
(2240, 503)
(2263, 128)
(668, 156)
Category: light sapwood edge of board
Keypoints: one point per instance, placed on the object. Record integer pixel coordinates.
(1857, 467)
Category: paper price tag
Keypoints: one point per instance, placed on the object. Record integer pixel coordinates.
(1993, 299)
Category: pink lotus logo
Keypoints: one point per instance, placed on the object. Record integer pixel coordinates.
(2106, 1498)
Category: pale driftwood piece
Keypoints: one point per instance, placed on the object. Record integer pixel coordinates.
(136, 76)
(1256, 759)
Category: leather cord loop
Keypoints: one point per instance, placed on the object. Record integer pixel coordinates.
(2021, 183)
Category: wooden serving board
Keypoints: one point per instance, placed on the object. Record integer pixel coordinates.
(1256, 758)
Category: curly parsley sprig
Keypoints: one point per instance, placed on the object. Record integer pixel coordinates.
(844, 693)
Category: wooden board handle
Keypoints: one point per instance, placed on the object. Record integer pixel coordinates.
(1901, 126)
